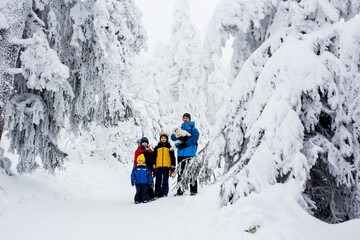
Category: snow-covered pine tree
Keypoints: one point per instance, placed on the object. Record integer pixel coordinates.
(121, 36)
(117, 35)
(104, 37)
(151, 97)
(96, 40)
(183, 53)
(37, 108)
(99, 39)
(247, 22)
(215, 86)
(12, 23)
(289, 118)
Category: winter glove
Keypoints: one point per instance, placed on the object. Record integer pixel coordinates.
(151, 184)
(182, 145)
(132, 183)
(183, 139)
(171, 172)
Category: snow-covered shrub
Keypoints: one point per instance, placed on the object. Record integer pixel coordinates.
(5, 164)
(197, 168)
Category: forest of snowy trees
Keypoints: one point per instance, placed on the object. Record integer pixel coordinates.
(286, 111)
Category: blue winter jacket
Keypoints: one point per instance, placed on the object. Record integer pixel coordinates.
(191, 141)
(141, 174)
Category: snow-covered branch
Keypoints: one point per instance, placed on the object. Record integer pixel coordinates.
(14, 71)
(3, 22)
(23, 42)
(35, 16)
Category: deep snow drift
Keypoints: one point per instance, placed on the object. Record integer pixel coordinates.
(93, 199)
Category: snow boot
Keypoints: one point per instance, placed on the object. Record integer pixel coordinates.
(179, 193)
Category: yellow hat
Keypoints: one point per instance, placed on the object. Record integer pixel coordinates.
(164, 134)
(141, 157)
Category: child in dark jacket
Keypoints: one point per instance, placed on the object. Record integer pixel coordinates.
(142, 179)
(164, 159)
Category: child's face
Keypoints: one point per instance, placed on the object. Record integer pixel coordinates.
(140, 161)
(144, 144)
(163, 139)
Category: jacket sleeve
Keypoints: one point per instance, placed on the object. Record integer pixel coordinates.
(192, 140)
(151, 153)
(132, 177)
(154, 156)
(149, 157)
(172, 158)
(135, 156)
(150, 179)
(173, 137)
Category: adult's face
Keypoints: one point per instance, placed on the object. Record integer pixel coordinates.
(186, 119)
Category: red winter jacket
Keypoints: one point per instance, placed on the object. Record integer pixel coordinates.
(148, 156)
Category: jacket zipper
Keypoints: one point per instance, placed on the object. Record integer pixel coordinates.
(163, 157)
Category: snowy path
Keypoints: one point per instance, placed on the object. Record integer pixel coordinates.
(94, 201)
(102, 219)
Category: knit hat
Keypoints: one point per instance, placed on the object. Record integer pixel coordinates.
(164, 134)
(141, 157)
(144, 139)
(187, 115)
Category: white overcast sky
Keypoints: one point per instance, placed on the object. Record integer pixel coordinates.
(157, 17)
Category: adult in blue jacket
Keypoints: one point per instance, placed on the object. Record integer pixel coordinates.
(186, 150)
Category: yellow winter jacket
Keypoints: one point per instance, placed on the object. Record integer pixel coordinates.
(163, 156)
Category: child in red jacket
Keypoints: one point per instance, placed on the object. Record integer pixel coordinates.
(145, 150)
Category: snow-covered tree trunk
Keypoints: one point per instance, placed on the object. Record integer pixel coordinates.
(12, 23)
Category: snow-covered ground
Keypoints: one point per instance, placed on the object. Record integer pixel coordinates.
(93, 199)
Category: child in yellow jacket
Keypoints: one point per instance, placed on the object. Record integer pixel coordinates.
(164, 159)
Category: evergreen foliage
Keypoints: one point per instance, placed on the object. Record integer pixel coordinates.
(12, 24)
(286, 119)
(76, 64)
